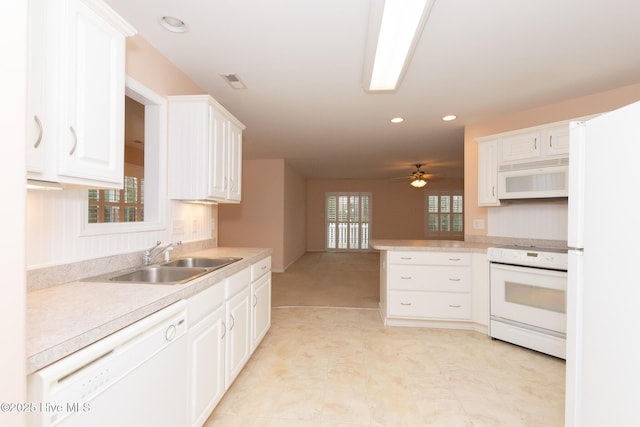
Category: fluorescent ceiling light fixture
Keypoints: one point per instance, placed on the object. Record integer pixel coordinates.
(395, 27)
(449, 117)
(397, 120)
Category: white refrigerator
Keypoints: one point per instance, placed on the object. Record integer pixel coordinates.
(603, 294)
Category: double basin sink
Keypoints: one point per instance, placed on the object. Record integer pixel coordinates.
(170, 273)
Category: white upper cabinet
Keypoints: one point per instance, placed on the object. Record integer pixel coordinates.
(521, 146)
(205, 150)
(76, 93)
(488, 172)
(555, 140)
(547, 144)
(539, 143)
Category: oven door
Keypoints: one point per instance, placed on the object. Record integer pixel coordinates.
(530, 296)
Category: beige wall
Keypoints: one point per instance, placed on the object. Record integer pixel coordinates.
(268, 215)
(397, 208)
(574, 108)
(295, 216)
(154, 70)
(12, 164)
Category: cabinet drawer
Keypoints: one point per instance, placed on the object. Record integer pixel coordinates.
(237, 282)
(429, 278)
(260, 268)
(204, 303)
(430, 258)
(440, 305)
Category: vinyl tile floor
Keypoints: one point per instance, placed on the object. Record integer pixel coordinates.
(340, 366)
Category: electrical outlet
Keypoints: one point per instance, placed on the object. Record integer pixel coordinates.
(195, 226)
(478, 224)
(178, 226)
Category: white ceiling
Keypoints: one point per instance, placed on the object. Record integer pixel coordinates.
(302, 63)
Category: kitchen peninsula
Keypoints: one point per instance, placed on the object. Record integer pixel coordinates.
(434, 283)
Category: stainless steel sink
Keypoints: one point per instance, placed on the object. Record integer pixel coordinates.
(210, 263)
(157, 274)
(170, 273)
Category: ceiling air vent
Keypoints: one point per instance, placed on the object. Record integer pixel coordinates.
(233, 80)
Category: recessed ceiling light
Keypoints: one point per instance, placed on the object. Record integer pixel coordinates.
(397, 120)
(173, 24)
(449, 117)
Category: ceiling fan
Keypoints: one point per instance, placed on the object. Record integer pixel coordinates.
(418, 178)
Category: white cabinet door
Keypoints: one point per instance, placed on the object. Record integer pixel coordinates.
(521, 146)
(556, 141)
(205, 152)
(76, 93)
(218, 153)
(37, 140)
(238, 338)
(92, 130)
(234, 163)
(207, 352)
(261, 309)
(488, 173)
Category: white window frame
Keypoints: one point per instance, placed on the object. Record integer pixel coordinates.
(155, 172)
(362, 242)
(441, 235)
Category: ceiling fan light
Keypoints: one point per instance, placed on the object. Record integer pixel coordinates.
(418, 183)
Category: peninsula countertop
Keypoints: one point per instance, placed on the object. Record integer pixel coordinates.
(65, 318)
(429, 245)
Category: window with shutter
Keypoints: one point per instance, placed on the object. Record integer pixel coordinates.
(348, 221)
(444, 215)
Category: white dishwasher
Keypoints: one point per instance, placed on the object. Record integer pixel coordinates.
(137, 376)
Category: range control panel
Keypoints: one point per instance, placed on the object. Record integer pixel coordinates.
(530, 256)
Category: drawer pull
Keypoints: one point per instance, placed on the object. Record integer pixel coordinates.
(405, 277)
(406, 257)
(452, 279)
(405, 303)
(454, 259)
(454, 305)
(264, 267)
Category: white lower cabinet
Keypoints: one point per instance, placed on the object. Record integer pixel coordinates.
(207, 365)
(261, 304)
(238, 337)
(427, 289)
(221, 323)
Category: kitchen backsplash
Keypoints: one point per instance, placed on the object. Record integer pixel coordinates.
(55, 234)
(537, 220)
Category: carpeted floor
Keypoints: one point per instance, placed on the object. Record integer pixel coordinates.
(327, 279)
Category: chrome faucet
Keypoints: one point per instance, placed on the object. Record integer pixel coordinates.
(148, 256)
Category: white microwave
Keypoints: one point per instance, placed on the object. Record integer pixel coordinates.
(534, 180)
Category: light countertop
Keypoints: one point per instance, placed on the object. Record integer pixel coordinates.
(429, 245)
(63, 319)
